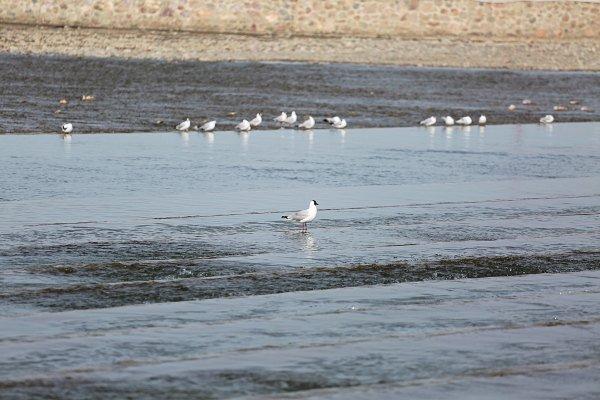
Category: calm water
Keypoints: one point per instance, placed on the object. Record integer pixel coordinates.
(151, 221)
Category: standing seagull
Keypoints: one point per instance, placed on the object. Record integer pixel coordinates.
(256, 121)
(429, 121)
(66, 128)
(548, 119)
(308, 124)
(304, 216)
(291, 120)
(209, 126)
(465, 121)
(184, 126)
(281, 118)
(448, 120)
(341, 124)
(243, 126)
(482, 120)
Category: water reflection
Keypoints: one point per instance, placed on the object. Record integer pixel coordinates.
(185, 137)
(209, 137)
(305, 239)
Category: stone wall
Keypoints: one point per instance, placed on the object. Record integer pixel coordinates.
(358, 18)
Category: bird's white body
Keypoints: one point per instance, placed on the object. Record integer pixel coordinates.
(512, 107)
(429, 121)
(465, 121)
(256, 121)
(281, 118)
(308, 124)
(304, 216)
(243, 126)
(66, 128)
(209, 126)
(333, 120)
(547, 119)
(341, 124)
(184, 126)
(291, 120)
(448, 120)
(482, 120)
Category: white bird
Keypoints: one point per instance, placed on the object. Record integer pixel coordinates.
(547, 119)
(340, 124)
(304, 216)
(482, 120)
(184, 126)
(448, 120)
(465, 121)
(67, 128)
(209, 126)
(281, 118)
(429, 121)
(332, 120)
(243, 126)
(291, 120)
(256, 121)
(526, 102)
(307, 124)
(512, 107)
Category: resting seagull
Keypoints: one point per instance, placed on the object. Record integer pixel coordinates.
(448, 120)
(304, 216)
(256, 121)
(281, 118)
(548, 119)
(341, 124)
(308, 124)
(465, 121)
(291, 120)
(332, 120)
(184, 126)
(66, 128)
(243, 126)
(209, 126)
(429, 121)
(482, 120)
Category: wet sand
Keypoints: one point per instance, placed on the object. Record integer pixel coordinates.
(132, 95)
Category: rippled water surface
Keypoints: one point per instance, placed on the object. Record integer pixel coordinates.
(154, 221)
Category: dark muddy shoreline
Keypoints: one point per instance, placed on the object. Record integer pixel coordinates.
(132, 95)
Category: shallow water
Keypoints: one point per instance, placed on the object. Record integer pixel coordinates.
(150, 221)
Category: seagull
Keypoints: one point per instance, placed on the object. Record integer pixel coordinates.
(429, 121)
(559, 108)
(482, 120)
(304, 216)
(209, 126)
(548, 119)
(512, 107)
(308, 124)
(243, 126)
(465, 121)
(449, 121)
(526, 102)
(184, 126)
(291, 120)
(339, 125)
(257, 120)
(281, 118)
(67, 128)
(332, 120)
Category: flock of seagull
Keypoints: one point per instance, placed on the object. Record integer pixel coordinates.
(467, 120)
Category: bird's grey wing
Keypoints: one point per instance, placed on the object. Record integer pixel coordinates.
(300, 215)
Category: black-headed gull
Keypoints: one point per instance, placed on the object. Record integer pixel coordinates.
(304, 216)
(547, 119)
(332, 120)
(448, 120)
(67, 128)
(512, 107)
(281, 118)
(429, 121)
(209, 126)
(291, 119)
(243, 126)
(341, 124)
(184, 126)
(308, 123)
(559, 108)
(465, 121)
(482, 120)
(256, 121)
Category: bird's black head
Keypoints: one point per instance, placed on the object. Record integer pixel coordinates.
(316, 204)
